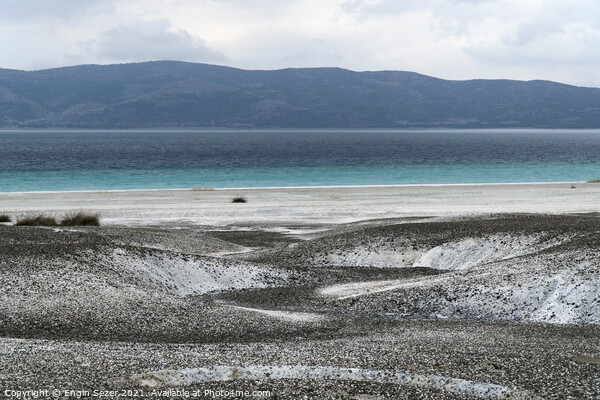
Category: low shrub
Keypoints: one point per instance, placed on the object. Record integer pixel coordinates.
(5, 218)
(36, 220)
(80, 219)
(238, 200)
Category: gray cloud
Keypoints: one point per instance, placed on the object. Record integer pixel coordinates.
(367, 8)
(531, 31)
(285, 49)
(153, 41)
(21, 9)
(454, 39)
(470, 1)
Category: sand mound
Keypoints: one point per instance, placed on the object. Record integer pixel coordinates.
(543, 288)
(186, 275)
(451, 255)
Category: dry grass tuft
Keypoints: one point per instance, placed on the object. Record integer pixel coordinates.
(5, 218)
(594, 181)
(202, 189)
(36, 220)
(81, 219)
(238, 199)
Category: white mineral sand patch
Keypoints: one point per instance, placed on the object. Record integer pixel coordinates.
(295, 231)
(68, 230)
(284, 315)
(562, 298)
(473, 251)
(504, 290)
(197, 275)
(189, 376)
(449, 256)
(239, 250)
(358, 289)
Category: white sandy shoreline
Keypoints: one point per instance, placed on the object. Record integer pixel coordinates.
(297, 187)
(309, 205)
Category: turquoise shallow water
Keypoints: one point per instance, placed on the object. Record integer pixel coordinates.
(93, 160)
(297, 176)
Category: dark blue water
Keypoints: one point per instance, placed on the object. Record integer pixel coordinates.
(90, 160)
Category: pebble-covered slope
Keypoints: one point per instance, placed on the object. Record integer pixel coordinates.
(426, 302)
(519, 268)
(103, 283)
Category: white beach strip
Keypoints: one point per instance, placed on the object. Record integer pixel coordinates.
(457, 386)
(318, 205)
(284, 315)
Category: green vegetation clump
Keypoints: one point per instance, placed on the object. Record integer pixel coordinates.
(5, 218)
(81, 219)
(238, 200)
(36, 220)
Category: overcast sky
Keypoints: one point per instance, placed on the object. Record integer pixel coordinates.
(454, 39)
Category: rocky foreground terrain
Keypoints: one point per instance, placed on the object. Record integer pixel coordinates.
(505, 306)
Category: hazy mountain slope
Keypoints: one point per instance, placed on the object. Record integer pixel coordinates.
(176, 94)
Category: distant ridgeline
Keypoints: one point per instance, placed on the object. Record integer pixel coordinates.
(167, 94)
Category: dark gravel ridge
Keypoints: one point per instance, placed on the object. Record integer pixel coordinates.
(427, 234)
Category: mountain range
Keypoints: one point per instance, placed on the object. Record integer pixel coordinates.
(171, 94)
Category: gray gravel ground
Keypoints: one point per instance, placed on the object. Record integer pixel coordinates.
(71, 318)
